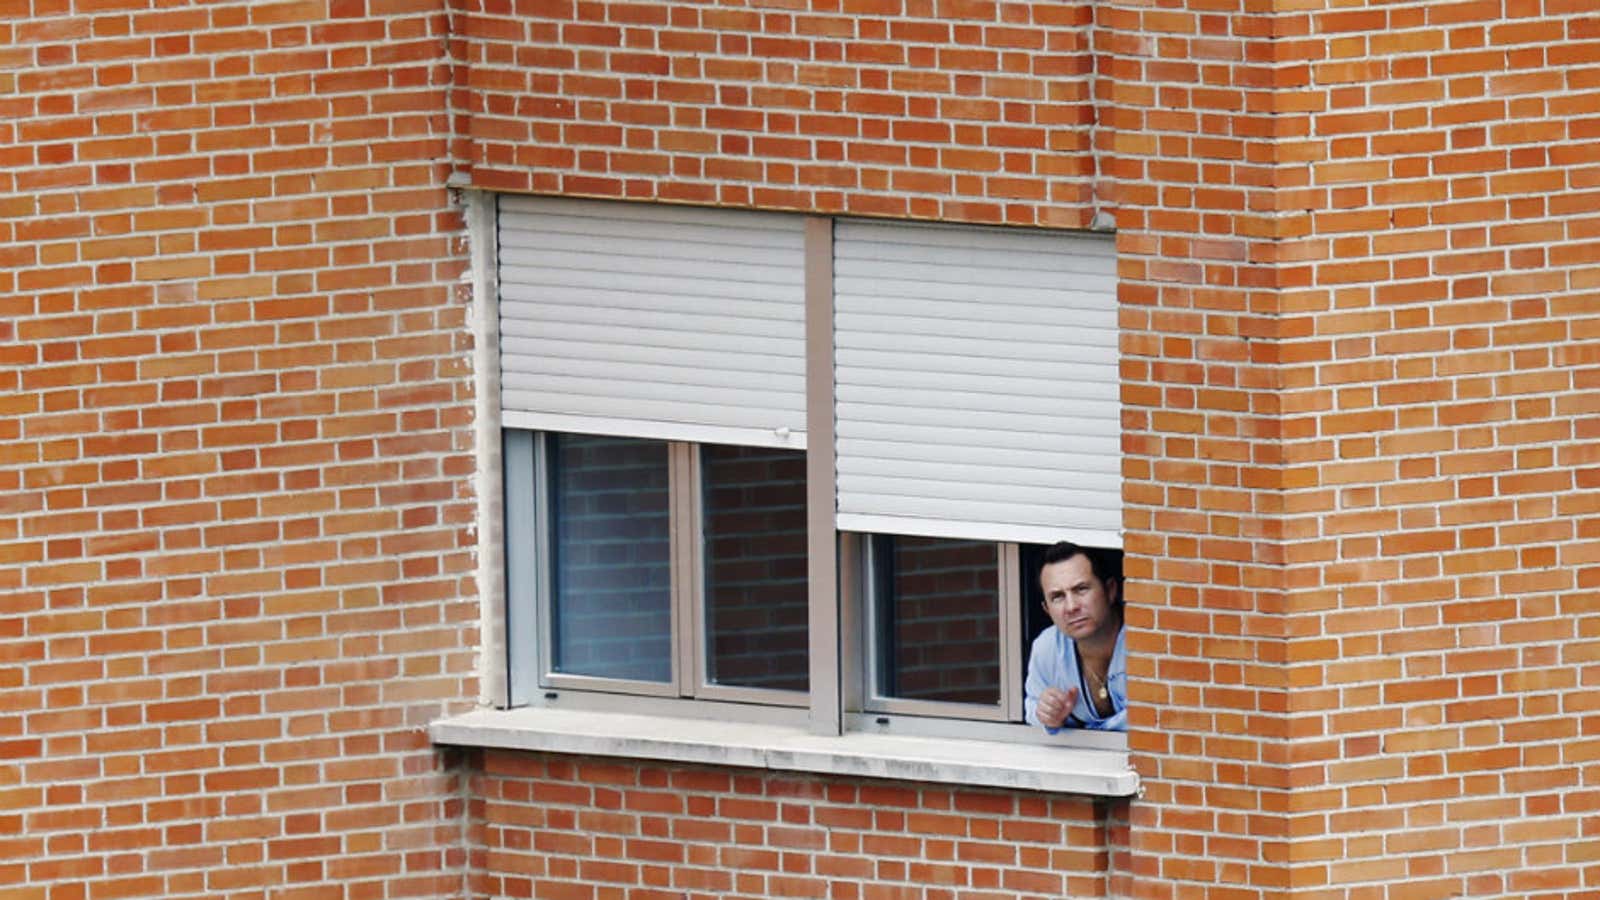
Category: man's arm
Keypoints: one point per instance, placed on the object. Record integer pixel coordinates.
(1043, 704)
(1055, 708)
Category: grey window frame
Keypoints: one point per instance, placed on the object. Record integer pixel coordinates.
(530, 593)
(1008, 613)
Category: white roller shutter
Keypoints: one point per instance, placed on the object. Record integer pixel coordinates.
(976, 383)
(652, 321)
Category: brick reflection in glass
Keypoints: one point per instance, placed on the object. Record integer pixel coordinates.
(937, 620)
(755, 566)
(612, 557)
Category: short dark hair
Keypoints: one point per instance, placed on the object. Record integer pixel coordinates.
(1104, 561)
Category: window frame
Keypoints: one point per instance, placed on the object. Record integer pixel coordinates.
(706, 688)
(550, 678)
(867, 713)
(839, 699)
(531, 585)
(1008, 635)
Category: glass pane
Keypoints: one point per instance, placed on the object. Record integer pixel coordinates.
(755, 566)
(611, 552)
(937, 619)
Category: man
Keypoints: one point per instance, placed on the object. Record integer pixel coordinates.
(1077, 670)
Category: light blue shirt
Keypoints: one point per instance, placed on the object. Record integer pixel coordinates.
(1053, 663)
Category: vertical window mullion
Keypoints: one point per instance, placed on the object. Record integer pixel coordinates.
(544, 584)
(822, 550)
(687, 621)
(855, 622)
(524, 565)
(1011, 596)
(875, 558)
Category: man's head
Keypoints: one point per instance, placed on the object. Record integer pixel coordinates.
(1082, 590)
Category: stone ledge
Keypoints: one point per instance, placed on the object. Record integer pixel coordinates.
(1069, 770)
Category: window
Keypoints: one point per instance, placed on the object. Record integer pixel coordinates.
(660, 568)
(944, 634)
(759, 462)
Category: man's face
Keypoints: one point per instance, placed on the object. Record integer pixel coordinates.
(1078, 603)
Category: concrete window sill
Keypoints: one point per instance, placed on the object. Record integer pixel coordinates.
(1070, 770)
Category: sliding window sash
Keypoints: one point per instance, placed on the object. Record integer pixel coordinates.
(869, 659)
(530, 586)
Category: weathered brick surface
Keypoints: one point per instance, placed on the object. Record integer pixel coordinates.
(1190, 105)
(1360, 352)
(1440, 355)
(964, 110)
(546, 826)
(235, 540)
(1358, 312)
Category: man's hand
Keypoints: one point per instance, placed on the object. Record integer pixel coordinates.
(1055, 705)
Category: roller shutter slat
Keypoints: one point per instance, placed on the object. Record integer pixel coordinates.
(976, 380)
(675, 318)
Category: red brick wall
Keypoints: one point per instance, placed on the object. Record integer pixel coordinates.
(236, 459)
(964, 110)
(235, 507)
(555, 827)
(1441, 358)
(1359, 338)
(1188, 93)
